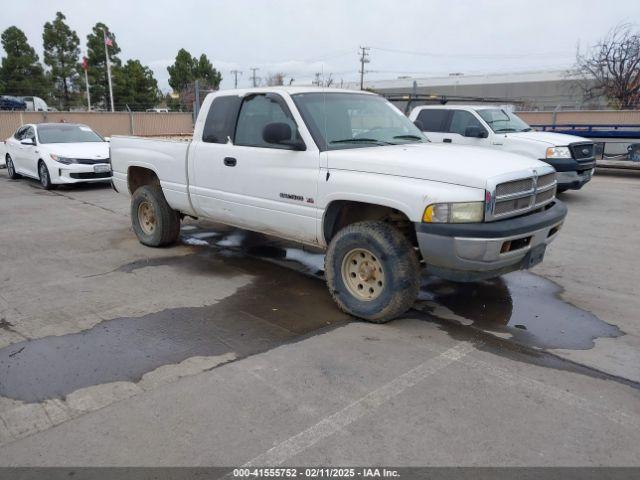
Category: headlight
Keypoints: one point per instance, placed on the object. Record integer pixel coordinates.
(558, 152)
(466, 212)
(65, 160)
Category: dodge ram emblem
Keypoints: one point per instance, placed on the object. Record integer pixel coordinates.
(585, 151)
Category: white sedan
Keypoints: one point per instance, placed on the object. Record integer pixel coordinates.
(58, 153)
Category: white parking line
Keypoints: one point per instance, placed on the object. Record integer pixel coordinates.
(333, 423)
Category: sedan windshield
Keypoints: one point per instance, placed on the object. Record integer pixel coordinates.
(502, 122)
(354, 120)
(65, 133)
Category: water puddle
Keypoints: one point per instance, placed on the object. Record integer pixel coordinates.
(520, 306)
(280, 306)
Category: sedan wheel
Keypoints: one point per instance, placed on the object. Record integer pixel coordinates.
(45, 179)
(11, 170)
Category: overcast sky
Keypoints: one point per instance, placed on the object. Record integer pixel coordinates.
(300, 37)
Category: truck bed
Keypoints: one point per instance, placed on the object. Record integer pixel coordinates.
(166, 158)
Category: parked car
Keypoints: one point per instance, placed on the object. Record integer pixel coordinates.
(7, 102)
(58, 153)
(348, 172)
(496, 128)
(36, 104)
(158, 110)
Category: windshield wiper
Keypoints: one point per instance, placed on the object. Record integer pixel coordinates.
(361, 140)
(529, 129)
(409, 137)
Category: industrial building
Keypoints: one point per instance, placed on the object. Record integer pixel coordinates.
(533, 90)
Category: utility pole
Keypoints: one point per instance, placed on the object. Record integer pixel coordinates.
(107, 43)
(235, 77)
(364, 58)
(254, 79)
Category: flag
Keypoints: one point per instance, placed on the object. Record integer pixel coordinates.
(85, 63)
(107, 40)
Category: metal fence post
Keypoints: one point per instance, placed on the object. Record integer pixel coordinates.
(132, 130)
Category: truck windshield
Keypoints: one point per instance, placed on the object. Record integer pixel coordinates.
(502, 122)
(354, 120)
(65, 133)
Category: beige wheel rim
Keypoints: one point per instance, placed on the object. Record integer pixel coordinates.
(363, 274)
(147, 218)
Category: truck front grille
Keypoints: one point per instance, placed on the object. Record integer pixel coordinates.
(582, 151)
(519, 196)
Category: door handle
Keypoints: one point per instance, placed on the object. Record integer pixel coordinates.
(230, 161)
(446, 140)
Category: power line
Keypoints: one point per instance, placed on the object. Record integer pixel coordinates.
(235, 77)
(364, 58)
(254, 79)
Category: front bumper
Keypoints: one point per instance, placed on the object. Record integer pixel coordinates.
(573, 180)
(475, 251)
(76, 173)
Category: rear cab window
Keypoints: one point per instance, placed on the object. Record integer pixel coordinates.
(221, 119)
(433, 120)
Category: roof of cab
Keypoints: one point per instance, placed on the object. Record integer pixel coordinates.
(460, 107)
(291, 90)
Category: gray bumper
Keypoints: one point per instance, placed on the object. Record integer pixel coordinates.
(474, 251)
(573, 180)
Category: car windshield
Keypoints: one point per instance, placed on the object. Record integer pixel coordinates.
(502, 122)
(354, 120)
(64, 133)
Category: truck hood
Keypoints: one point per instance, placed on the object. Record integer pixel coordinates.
(550, 139)
(92, 150)
(460, 165)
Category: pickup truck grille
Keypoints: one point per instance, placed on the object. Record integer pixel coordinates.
(582, 151)
(519, 196)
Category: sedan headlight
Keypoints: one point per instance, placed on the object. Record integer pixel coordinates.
(467, 212)
(558, 152)
(65, 160)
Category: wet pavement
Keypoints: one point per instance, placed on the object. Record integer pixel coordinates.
(286, 301)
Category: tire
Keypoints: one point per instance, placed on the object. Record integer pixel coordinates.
(353, 262)
(11, 169)
(45, 178)
(155, 223)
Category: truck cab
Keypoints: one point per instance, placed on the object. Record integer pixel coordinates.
(497, 128)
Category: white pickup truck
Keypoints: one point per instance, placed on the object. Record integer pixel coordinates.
(345, 171)
(494, 127)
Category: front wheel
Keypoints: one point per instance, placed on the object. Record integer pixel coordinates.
(45, 178)
(372, 271)
(11, 169)
(155, 223)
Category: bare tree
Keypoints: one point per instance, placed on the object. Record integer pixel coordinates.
(275, 79)
(611, 68)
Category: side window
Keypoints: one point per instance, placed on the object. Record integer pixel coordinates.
(19, 133)
(461, 119)
(255, 113)
(433, 120)
(221, 119)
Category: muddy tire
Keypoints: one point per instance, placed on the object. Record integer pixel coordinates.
(155, 223)
(372, 271)
(11, 169)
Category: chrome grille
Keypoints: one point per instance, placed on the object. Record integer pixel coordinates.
(519, 196)
(545, 196)
(516, 186)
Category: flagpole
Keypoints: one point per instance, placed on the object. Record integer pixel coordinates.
(106, 54)
(85, 67)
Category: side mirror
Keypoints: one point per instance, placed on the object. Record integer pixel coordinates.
(419, 124)
(475, 132)
(28, 141)
(280, 133)
(107, 139)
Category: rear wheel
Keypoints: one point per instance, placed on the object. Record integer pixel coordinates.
(372, 271)
(155, 223)
(11, 169)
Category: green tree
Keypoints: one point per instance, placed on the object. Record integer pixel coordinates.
(20, 72)
(209, 76)
(61, 53)
(185, 70)
(97, 72)
(135, 86)
(182, 72)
